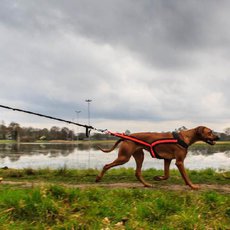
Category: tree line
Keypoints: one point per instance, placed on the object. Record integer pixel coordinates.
(14, 131)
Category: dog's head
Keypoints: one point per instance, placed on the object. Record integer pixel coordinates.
(207, 135)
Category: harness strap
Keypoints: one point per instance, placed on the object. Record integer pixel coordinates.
(180, 141)
(157, 142)
(124, 136)
(175, 140)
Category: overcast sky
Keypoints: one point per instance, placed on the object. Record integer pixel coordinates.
(147, 65)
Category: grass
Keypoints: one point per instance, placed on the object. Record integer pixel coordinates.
(59, 206)
(7, 142)
(56, 207)
(75, 176)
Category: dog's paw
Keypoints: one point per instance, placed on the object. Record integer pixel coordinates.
(159, 178)
(148, 185)
(195, 187)
(98, 179)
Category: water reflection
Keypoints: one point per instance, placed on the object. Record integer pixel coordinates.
(209, 149)
(88, 156)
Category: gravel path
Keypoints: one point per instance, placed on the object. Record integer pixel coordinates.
(203, 187)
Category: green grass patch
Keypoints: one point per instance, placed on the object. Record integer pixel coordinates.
(8, 141)
(75, 176)
(57, 207)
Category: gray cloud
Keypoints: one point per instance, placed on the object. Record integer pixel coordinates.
(164, 33)
(137, 60)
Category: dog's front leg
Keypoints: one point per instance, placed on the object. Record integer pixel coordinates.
(180, 166)
(167, 163)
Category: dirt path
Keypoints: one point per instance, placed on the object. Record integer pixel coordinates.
(203, 187)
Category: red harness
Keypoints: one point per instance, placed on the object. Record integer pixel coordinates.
(174, 140)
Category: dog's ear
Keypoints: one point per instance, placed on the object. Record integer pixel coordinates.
(199, 131)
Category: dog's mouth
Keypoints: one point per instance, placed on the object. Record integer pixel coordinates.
(210, 142)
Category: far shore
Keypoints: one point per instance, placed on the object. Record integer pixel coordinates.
(76, 142)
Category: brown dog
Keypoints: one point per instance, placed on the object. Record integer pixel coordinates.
(167, 151)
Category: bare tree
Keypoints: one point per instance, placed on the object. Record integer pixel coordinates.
(227, 131)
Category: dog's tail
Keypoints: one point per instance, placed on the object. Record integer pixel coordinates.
(110, 150)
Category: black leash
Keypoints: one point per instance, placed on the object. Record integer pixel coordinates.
(87, 127)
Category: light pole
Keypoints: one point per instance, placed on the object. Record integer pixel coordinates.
(78, 113)
(88, 101)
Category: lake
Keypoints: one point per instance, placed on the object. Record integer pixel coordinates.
(84, 156)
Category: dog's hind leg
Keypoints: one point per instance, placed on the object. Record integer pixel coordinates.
(139, 158)
(167, 163)
(124, 155)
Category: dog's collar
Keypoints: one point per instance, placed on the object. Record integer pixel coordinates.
(179, 140)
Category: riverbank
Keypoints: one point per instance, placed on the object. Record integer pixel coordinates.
(227, 143)
(120, 175)
(61, 142)
(69, 199)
